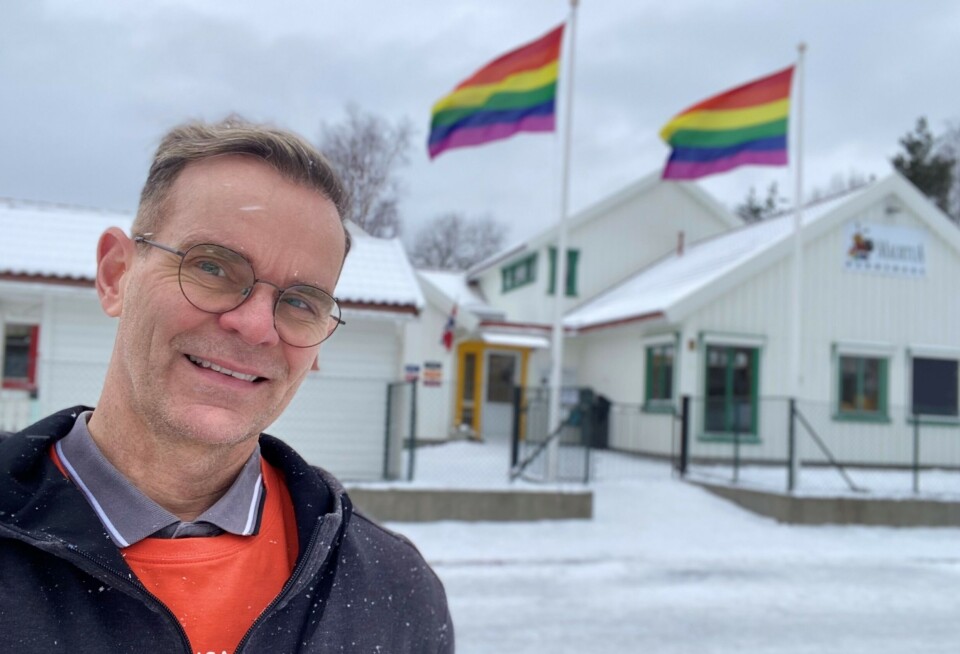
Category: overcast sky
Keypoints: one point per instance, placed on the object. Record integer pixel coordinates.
(88, 87)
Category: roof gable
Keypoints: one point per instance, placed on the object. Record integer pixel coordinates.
(677, 285)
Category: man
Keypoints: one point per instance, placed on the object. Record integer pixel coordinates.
(163, 520)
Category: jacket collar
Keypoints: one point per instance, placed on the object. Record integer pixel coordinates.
(43, 507)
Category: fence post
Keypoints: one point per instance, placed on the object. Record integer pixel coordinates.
(684, 434)
(916, 453)
(792, 445)
(736, 451)
(413, 430)
(515, 436)
(386, 434)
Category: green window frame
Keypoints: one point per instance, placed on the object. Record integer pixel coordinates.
(658, 389)
(730, 407)
(519, 273)
(573, 259)
(862, 387)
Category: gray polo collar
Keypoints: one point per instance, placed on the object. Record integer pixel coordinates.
(130, 516)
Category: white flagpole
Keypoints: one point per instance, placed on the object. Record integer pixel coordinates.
(795, 387)
(560, 281)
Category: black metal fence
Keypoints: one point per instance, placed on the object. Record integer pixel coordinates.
(814, 448)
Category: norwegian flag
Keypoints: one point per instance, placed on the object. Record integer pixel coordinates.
(447, 338)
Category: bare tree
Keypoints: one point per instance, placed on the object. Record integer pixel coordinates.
(454, 242)
(839, 185)
(367, 150)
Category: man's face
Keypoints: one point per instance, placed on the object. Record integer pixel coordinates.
(165, 346)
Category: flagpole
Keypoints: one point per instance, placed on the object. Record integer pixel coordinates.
(796, 310)
(560, 268)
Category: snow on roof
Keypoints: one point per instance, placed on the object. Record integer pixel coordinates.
(378, 271)
(664, 283)
(58, 241)
(453, 285)
(52, 240)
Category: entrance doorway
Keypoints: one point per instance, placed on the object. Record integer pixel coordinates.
(502, 376)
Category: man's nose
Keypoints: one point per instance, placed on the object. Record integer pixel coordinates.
(253, 320)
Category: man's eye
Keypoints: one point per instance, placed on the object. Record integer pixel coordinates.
(300, 304)
(211, 268)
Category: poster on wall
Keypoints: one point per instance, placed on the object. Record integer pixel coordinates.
(885, 250)
(411, 372)
(432, 373)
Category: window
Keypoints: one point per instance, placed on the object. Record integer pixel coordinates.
(659, 378)
(863, 387)
(519, 273)
(20, 356)
(935, 389)
(730, 402)
(573, 257)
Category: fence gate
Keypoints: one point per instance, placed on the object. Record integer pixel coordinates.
(400, 431)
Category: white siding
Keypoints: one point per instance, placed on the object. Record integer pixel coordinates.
(337, 419)
(76, 340)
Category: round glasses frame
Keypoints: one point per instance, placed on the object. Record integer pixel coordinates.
(247, 291)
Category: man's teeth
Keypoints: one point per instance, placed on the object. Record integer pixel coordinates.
(225, 371)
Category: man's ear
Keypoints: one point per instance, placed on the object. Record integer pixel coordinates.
(115, 253)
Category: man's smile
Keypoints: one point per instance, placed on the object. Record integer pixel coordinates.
(203, 363)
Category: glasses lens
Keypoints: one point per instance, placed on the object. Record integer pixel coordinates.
(306, 315)
(214, 278)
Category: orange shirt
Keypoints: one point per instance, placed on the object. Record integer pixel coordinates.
(217, 586)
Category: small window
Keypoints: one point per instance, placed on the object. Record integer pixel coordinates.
(519, 273)
(20, 356)
(573, 258)
(935, 388)
(863, 387)
(659, 378)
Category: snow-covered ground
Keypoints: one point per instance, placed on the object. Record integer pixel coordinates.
(666, 567)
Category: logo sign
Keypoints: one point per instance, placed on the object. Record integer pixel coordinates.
(885, 250)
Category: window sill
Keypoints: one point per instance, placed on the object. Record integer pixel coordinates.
(877, 418)
(659, 406)
(715, 437)
(935, 421)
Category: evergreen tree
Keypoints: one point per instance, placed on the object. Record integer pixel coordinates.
(930, 171)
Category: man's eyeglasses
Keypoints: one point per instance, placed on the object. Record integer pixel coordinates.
(216, 279)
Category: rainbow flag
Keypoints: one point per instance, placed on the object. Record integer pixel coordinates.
(514, 93)
(742, 126)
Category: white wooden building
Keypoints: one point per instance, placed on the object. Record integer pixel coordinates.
(878, 334)
(57, 342)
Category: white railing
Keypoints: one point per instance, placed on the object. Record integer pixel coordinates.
(17, 410)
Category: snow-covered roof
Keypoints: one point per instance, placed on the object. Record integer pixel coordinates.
(664, 284)
(59, 242)
(51, 240)
(378, 271)
(453, 286)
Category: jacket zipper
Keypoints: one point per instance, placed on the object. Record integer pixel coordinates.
(297, 571)
(128, 578)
